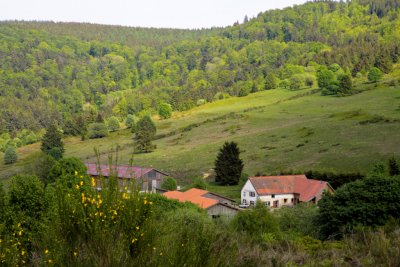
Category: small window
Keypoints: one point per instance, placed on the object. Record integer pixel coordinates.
(272, 196)
(285, 200)
(251, 203)
(244, 193)
(291, 200)
(252, 194)
(268, 203)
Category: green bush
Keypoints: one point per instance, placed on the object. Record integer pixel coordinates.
(113, 124)
(169, 184)
(368, 202)
(256, 221)
(97, 130)
(164, 110)
(66, 168)
(10, 155)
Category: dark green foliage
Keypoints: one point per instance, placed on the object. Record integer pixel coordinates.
(256, 221)
(334, 179)
(374, 75)
(41, 166)
(394, 168)
(66, 168)
(97, 130)
(164, 110)
(2, 202)
(298, 220)
(145, 131)
(345, 83)
(113, 124)
(228, 165)
(10, 155)
(369, 202)
(26, 198)
(169, 183)
(52, 143)
(270, 81)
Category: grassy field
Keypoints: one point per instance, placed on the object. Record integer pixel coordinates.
(277, 131)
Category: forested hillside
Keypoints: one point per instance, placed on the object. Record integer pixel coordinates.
(57, 72)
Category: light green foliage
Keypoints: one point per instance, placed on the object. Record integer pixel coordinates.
(97, 130)
(164, 110)
(325, 78)
(10, 155)
(130, 121)
(374, 75)
(169, 183)
(113, 124)
(145, 131)
(296, 82)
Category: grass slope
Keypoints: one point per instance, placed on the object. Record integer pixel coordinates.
(277, 130)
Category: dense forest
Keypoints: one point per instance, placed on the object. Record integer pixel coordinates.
(77, 74)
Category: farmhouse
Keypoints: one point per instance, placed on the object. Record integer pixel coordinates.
(148, 179)
(286, 190)
(214, 204)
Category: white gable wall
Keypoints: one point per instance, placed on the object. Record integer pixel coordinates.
(245, 194)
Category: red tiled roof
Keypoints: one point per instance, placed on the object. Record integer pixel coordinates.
(122, 171)
(288, 184)
(193, 195)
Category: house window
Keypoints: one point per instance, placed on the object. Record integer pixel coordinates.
(291, 200)
(285, 200)
(244, 201)
(268, 203)
(272, 196)
(244, 193)
(251, 203)
(252, 194)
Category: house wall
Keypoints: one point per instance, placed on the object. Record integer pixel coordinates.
(221, 210)
(245, 194)
(279, 200)
(151, 181)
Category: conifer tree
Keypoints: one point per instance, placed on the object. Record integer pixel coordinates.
(228, 165)
(145, 131)
(52, 143)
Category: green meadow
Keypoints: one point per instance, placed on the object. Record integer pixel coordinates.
(277, 131)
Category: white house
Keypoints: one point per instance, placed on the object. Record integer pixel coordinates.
(286, 190)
